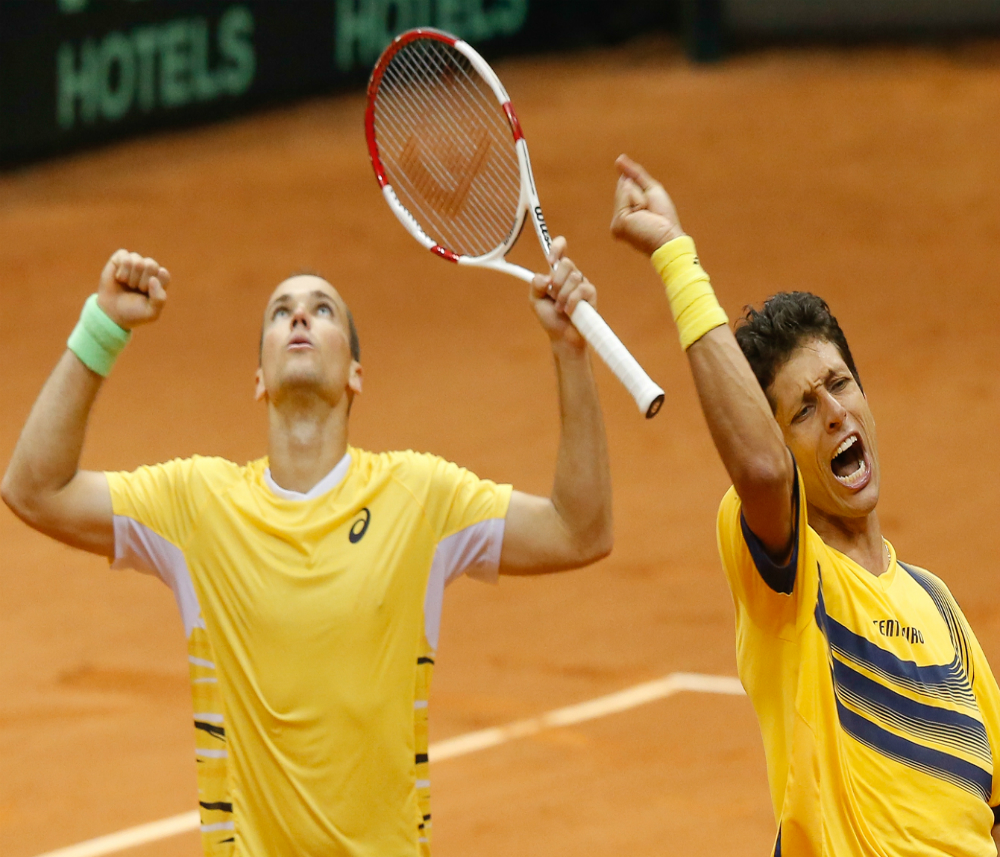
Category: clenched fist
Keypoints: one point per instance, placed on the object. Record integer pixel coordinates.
(644, 216)
(133, 289)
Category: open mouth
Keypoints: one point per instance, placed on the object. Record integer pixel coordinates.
(849, 463)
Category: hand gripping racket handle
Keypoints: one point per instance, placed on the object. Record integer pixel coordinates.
(647, 394)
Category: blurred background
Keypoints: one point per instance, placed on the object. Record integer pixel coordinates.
(77, 72)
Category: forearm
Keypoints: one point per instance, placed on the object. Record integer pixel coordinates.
(572, 527)
(47, 454)
(581, 491)
(739, 417)
(743, 427)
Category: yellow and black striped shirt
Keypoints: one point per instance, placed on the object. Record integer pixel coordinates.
(879, 713)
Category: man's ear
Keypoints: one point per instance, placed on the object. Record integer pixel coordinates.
(260, 391)
(355, 378)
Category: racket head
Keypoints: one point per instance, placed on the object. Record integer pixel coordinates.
(446, 146)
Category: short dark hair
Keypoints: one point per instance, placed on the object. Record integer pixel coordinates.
(355, 342)
(351, 329)
(770, 335)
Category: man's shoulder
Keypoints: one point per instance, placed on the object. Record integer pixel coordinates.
(219, 471)
(730, 521)
(402, 464)
(173, 490)
(196, 467)
(927, 580)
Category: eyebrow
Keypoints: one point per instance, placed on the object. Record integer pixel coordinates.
(831, 372)
(315, 293)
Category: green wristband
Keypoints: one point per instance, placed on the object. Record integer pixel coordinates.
(96, 339)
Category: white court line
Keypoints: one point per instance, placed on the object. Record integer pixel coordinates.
(460, 745)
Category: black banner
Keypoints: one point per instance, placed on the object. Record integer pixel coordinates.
(858, 16)
(77, 72)
(712, 26)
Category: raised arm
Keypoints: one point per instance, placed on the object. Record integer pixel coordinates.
(739, 417)
(43, 485)
(572, 527)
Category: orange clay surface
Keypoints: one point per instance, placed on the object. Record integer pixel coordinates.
(867, 176)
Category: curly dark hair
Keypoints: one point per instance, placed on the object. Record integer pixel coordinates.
(770, 335)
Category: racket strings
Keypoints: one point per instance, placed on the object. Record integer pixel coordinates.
(437, 173)
(484, 104)
(447, 148)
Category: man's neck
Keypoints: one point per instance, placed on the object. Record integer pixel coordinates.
(305, 443)
(857, 538)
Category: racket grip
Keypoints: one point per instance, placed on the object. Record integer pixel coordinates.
(647, 394)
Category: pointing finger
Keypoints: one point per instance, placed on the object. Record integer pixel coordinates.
(635, 171)
(629, 196)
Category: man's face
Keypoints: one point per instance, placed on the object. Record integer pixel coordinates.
(829, 428)
(305, 347)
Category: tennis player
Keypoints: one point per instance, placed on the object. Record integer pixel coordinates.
(309, 582)
(879, 713)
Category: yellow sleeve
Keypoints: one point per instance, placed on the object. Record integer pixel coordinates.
(457, 498)
(159, 497)
(764, 592)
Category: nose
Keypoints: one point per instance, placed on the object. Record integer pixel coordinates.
(833, 411)
(300, 316)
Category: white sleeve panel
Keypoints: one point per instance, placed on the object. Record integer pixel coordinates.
(138, 547)
(474, 551)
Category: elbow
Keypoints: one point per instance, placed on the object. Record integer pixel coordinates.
(765, 475)
(598, 546)
(603, 549)
(16, 499)
(7, 493)
(605, 544)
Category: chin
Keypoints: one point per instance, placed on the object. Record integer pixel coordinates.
(300, 378)
(860, 504)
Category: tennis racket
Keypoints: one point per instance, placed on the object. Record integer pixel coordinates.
(453, 165)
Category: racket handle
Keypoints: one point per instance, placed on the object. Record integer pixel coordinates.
(647, 394)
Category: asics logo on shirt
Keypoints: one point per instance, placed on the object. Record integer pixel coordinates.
(360, 526)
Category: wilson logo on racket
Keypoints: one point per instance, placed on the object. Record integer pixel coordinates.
(540, 220)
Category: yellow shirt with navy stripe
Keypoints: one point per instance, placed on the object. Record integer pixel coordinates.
(879, 713)
(312, 626)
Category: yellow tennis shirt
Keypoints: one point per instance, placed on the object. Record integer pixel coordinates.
(312, 622)
(879, 714)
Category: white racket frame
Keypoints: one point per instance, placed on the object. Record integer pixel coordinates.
(647, 393)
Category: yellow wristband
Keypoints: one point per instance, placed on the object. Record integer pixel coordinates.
(694, 305)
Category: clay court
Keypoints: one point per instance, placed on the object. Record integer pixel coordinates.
(868, 176)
